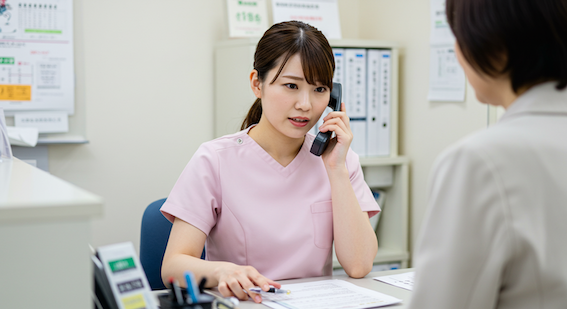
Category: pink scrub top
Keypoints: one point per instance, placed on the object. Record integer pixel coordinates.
(256, 212)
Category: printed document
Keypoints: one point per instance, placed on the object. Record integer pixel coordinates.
(404, 281)
(447, 81)
(36, 55)
(327, 294)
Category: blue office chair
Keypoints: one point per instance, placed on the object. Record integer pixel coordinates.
(153, 240)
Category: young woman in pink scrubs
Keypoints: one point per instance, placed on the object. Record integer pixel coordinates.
(266, 207)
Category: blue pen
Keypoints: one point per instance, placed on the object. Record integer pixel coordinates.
(192, 288)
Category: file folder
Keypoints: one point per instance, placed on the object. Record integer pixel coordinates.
(373, 108)
(385, 90)
(340, 70)
(358, 128)
(355, 83)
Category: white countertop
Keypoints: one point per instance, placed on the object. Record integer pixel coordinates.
(28, 193)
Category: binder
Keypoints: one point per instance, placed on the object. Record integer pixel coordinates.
(358, 128)
(385, 92)
(340, 70)
(355, 83)
(373, 119)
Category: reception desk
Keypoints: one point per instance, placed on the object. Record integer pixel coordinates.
(44, 236)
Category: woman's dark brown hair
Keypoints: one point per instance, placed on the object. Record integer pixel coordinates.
(530, 36)
(284, 40)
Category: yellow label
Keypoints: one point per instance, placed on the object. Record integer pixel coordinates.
(15, 93)
(134, 302)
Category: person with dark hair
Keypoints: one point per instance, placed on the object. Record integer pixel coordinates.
(494, 232)
(266, 207)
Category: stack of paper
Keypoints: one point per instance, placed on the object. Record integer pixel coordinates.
(328, 294)
(404, 281)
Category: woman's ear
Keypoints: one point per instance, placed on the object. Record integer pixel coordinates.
(255, 83)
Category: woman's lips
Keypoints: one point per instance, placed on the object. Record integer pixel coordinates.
(299, 121)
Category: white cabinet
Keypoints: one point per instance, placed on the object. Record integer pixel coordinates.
(44, 239)
(233, 98)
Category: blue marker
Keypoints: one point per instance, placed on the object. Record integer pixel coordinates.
(192, 288)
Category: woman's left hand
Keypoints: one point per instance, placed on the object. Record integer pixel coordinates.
(338, 122)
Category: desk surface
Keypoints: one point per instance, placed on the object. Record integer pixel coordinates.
(366, 282)
(27, 193)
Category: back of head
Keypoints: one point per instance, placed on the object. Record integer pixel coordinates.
(528, 36)
(284, 40)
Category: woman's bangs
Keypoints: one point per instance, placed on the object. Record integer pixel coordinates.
(317, 67)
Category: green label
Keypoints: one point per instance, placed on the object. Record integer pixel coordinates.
(249, 3)
(43, 31)
(120, 265)
(7, 60)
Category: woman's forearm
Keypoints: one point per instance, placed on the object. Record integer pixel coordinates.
(176, 265)
(355, 240)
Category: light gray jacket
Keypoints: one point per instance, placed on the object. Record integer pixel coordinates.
(495, 233)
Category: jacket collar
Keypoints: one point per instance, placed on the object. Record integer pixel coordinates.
(540, 99)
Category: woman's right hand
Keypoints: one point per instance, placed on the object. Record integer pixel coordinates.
(236, 280)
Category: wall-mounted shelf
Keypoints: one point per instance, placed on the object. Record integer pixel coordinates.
(383, 161)
(66, 140)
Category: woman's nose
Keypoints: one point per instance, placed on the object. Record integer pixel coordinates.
(303, 102)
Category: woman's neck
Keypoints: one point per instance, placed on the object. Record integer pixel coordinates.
(279, 146)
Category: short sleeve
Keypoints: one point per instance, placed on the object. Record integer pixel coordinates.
(365, 197)
(464, 241)
(196, 196)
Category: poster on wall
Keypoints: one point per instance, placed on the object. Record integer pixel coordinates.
(446, 77)
(247, 18)
(447, 82)
(36, 56)
(321, 14)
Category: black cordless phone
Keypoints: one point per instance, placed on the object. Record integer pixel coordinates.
(322, 139)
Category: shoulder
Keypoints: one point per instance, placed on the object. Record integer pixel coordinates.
(486, 156)
(221, 143)
(478, 145)
(208, 154)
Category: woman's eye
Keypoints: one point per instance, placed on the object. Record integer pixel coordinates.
(291, 86)
(321, 89)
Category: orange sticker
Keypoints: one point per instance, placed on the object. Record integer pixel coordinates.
(15, 93)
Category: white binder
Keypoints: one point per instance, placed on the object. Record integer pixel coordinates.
(355, 83)
(385, 102)
(340, 70)
(358, 128)
(373, 119)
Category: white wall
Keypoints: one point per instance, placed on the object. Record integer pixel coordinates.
(426, 128)
(145, 76)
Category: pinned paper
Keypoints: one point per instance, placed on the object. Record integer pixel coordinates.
(447, 81)
(45, 122)
(321, 14)
(26, 137)
(247, 18)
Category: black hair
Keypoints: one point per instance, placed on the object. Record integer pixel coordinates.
(529, 36)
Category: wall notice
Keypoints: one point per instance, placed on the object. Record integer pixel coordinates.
(36, 55)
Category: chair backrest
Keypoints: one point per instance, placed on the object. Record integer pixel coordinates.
(153, 241)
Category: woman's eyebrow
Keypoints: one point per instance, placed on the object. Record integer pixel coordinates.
(293, 77)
